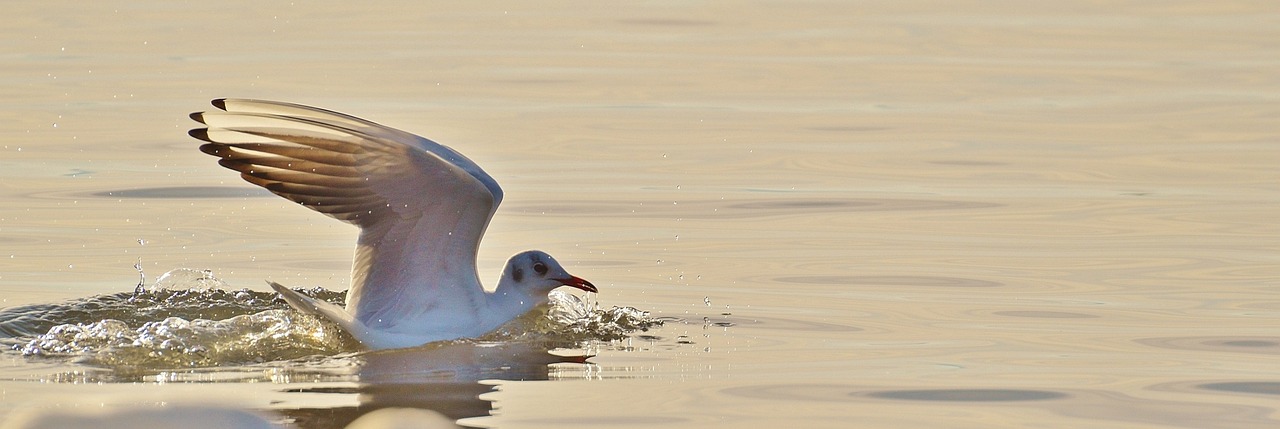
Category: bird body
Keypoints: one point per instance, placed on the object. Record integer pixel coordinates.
(421, 207)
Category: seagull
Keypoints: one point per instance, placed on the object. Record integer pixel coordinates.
(421, 208)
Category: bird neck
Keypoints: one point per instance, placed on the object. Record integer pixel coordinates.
(508, 301)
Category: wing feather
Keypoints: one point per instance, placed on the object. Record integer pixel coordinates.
(289, 164)
(282, 152)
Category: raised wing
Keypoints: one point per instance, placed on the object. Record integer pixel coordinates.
(421, 207)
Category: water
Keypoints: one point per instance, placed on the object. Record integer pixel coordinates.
(181, 330)
(183, 323)
(901, 214)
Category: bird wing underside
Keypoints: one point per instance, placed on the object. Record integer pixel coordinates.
(421, 207)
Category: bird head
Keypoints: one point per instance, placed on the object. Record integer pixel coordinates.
(534, 270)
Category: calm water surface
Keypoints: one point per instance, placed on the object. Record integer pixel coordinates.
(895, 214)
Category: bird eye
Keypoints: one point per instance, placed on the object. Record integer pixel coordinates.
(540, 268)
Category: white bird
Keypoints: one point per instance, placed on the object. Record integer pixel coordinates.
(421, 208)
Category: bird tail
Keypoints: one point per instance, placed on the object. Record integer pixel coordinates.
(309, 305)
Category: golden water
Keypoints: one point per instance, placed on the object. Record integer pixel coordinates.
(885, 214)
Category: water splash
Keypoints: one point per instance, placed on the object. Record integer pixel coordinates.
(176, 342)
(569, 320)
(171, 326)
(142, 277)
(189, 318)
(189, 279)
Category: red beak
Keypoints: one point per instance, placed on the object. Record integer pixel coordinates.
(579, 283)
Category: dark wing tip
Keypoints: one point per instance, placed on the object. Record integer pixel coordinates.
(197, 116)
(215, 149)
(200, 133)
(220, 103)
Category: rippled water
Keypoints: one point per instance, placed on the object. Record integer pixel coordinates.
(902, 214)
(189, 323)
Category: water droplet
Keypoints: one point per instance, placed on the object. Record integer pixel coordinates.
(707, 300)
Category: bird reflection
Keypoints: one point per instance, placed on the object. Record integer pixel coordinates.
(444, 378)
